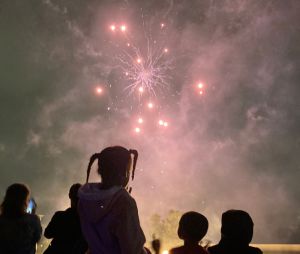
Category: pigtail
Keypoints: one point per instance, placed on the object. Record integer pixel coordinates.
(92, 159)
(135, 157)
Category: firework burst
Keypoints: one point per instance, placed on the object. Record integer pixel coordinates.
(145, 69)
(148, 72)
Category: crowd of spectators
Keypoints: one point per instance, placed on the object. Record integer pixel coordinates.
(103, 218)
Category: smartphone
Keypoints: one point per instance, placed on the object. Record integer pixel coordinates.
(31, 206)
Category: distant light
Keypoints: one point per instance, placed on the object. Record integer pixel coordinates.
(126, 73)
(139, 60)
(166, 50)
(140, 120)
(141, 89)
(113, 28)
(165, 252)
(99, 90)
(150, 105)
(108, 108)
(166, 124)
(200, 85)
(161, 122)
(128, 44)
(162, 25)
(123, 28)
(201, 92)
(137, 130)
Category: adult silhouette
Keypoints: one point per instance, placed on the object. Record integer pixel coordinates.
(64, 229)
(19, 230)
(236, 234)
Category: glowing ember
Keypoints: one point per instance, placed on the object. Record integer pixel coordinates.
(200, 85)
(165, 252)
(140, 120)
(201, 92)
(150, 105)
(161, 122)
(166, 124)
(113, 28)
(99, 90)
(139, 60)
(123, 28)
(137, 130)
(126, 73)
(141, 89)
(128, 44)
(166, 50)
(162, 25)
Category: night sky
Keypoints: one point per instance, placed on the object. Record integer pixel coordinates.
(235, 145)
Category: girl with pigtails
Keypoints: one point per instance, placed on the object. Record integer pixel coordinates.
(108, 214)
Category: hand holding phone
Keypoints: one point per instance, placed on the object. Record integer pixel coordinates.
(31, 206)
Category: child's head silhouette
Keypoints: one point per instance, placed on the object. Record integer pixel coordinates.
(237, 226)
(193, 227)
(114, 164)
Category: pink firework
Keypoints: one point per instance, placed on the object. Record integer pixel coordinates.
(150, 105)
(112, 28)
(123, 28)
(99, 90)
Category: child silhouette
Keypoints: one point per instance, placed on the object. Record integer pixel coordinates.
(192, 228)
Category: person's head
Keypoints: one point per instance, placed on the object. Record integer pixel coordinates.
(15, 201)
(237, 226)
(114, 164)
(73, 194)
(193, 227)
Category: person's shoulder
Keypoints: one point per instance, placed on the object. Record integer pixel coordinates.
(213, 249)
(123, 197)
(177, 250)
(255, 250)
(123, 202)
(58, 214)
(68, 211)
(32, 217)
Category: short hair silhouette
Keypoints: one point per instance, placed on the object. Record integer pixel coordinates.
(193, 226)
(237, 225)
(73, 192)
(64, 228)
(236, 234)
(15, 200)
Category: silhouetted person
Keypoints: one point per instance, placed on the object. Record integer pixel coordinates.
(64, 229)
(236, 234)
(156, 244)
(19, 230)
(192, 228)
(109, 215)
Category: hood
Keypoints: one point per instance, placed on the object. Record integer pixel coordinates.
(94, 202)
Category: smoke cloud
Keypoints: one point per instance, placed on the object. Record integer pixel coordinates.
(237, 146)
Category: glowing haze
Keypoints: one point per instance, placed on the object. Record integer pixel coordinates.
(207, 91)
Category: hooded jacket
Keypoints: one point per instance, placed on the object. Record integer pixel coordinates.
(109, 220)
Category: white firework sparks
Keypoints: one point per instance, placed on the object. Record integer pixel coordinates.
(146, 71)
